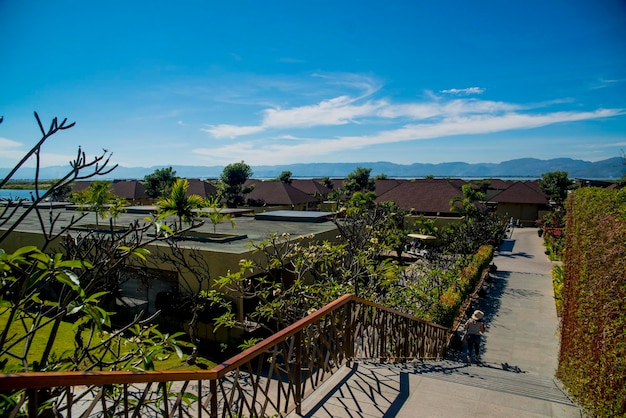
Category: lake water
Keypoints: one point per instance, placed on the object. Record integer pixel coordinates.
(15, 194)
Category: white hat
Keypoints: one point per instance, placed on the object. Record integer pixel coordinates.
(478, 315)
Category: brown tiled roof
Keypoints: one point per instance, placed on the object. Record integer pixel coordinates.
(79, 186)
(337, 183)
(499, 184)
(522, 192)
(201, 188)
(310, 187)
(278, 193)
(129, 189)
(423, 195)
(534, 184)
(457, 182)
(384, 185)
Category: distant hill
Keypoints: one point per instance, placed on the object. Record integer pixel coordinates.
(610, 169)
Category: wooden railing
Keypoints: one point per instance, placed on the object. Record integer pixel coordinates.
(270, 378)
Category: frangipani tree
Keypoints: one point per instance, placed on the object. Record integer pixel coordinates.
(65, 284)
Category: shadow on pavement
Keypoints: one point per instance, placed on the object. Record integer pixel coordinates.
(507, 245)
(490, 305)
(400, 400)
(329, 395)
(379, 390)
(516, 255)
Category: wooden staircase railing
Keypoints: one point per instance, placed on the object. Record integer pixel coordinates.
(270, 378)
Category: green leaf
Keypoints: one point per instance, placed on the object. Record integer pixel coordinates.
(74, 264)
(105, 318)
(141, 253)
(74, 307)
(25, 250)
(177, 349)
(70, 279)
(41, 257)
(95, 296)
(147, 363)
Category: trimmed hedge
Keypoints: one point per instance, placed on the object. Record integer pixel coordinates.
(445, 310)
(592, 360)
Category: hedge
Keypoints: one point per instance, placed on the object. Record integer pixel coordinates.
(592, 360)
(445, 310)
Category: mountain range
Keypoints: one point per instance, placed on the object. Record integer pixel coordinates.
(610, 169)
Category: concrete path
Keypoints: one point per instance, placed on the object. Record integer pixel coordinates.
(515, 379)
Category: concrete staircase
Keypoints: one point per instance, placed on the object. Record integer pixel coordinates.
(438, 389)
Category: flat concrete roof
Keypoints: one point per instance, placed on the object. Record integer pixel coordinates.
(294, 216)
(255, 229)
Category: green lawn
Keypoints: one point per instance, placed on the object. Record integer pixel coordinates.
(64, 345)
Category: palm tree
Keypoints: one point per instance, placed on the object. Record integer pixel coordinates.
(179, 204)
(96, 198)
(466, 204)
(215, 214)
(117, 207)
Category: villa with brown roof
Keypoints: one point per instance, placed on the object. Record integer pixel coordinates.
(429, 197)
(277, 193)
(201, 188)
(311, 187)
(131, 190)
(382, 186)
(523, 201)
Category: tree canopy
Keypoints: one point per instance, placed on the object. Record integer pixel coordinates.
(231, 183)
(326, 181)
(160, 182)
(359, 181)
(285, 177)
(556, 184)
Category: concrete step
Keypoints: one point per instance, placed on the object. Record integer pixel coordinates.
(385, 390)
(498, 378)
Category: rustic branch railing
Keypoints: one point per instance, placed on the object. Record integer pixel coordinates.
(271, 378)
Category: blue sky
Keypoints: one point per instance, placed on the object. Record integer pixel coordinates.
(275, 82)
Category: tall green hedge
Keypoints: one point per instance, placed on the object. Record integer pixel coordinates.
(592, 361)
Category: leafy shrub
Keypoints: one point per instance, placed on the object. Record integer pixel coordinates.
(557, 284)
(592, 361)
(447, 307)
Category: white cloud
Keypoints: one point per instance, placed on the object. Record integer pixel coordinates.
(350, 110)
(312, 149)
(8, 144)
(438, 108)
(604, 83)
(48, 159)
(336, 111)
(464, 92)
(10, 149)
(231, 131)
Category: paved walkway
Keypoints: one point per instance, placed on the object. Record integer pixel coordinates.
(520, 352)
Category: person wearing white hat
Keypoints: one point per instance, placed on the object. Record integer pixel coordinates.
(474, 328)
